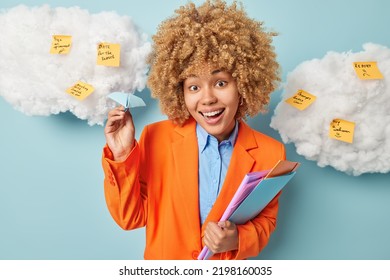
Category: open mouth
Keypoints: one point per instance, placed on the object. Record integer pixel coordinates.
(212, 114)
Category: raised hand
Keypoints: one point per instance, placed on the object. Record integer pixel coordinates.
(119, 132)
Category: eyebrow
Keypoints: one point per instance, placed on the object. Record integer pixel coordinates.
(212, 73)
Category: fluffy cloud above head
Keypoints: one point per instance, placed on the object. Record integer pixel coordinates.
(340, 95)
(35, 81)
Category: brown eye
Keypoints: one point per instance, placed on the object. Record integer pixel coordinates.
(221, 84)
(193, 88)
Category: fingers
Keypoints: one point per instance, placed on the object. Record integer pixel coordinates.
(214, 236)
(116, 116)
(226, 225)
(117, 112)
(221, 237)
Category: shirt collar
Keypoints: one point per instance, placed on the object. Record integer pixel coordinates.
(204, 137)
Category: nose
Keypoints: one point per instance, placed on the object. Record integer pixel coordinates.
(208, 97)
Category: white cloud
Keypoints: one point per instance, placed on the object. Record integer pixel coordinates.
(34, 81)
(340, 94)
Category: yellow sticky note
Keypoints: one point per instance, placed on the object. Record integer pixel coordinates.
(342, 130)
(301, 100)
(80, 90)
(61, 44)
(108, 54)
(367, 70)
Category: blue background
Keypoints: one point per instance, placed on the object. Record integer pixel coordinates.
(51, 182)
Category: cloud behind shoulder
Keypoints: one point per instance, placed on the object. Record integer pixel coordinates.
(34, 81)
(340, 95)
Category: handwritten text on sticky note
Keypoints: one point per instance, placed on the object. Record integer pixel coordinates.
(108, 54)
(80, 90)
(301, 100)
(342, 130)
(367, 70)
(61, 44)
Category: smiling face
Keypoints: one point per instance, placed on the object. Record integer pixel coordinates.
(212, 99)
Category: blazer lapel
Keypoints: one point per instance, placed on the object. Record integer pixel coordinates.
(185, 154)
(240, 164)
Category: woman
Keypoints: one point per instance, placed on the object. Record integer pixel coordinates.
(211, 66)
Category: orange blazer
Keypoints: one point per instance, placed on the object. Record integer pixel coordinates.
(157, 187)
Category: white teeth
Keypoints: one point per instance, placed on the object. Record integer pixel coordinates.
(210, 114)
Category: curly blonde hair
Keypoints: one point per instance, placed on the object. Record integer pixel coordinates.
(223, 36)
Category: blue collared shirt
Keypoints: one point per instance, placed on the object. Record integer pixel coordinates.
(214, 161)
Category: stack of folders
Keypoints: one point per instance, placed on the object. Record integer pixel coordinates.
(256, 190)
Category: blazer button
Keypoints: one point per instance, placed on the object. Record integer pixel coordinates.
(195, 255)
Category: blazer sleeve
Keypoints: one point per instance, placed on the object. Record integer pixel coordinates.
(125, 191)
(254, 235)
